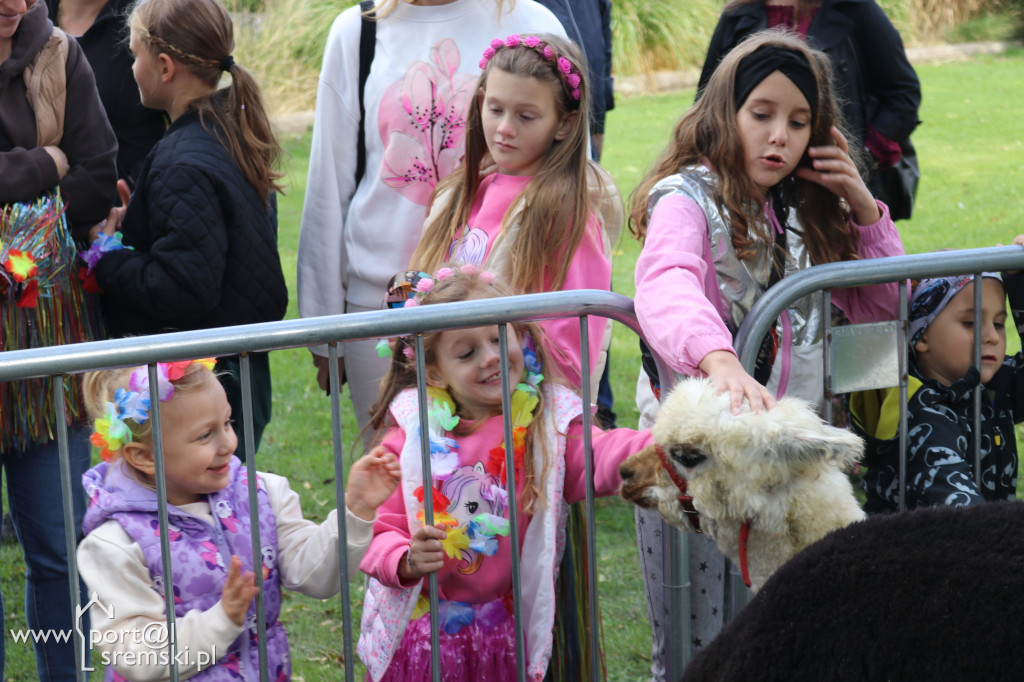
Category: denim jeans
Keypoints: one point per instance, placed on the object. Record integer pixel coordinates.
(34, 493)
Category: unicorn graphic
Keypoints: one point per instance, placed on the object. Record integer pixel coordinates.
(467, 490)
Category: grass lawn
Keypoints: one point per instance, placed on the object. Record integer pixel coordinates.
(971, 150)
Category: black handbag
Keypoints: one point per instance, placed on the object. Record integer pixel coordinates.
(897, 185)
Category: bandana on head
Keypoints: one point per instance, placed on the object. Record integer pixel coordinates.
(757, 66)
(930, 297)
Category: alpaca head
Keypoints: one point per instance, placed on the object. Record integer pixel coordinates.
(781, 469)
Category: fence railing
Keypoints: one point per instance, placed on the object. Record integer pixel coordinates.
(56, 362)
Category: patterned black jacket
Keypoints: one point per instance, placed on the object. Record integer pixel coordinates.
(940, 435)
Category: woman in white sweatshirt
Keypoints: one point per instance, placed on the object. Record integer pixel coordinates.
(357, 232)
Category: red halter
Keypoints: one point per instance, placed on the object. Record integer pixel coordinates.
(686, 501)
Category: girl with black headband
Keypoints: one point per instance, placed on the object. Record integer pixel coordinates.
(195, 246)
(757, 182)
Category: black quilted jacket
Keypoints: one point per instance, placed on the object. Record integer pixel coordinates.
(204, 247)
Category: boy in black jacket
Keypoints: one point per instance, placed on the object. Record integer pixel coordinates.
(940, 422)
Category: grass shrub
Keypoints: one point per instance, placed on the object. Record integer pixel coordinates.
(284, 45)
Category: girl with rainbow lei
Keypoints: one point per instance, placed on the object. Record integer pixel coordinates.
(208, 512)
(469, 546)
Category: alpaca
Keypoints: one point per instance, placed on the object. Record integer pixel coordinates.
(929, 594)
(763, 486)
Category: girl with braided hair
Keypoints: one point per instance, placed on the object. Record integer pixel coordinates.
(200, 231)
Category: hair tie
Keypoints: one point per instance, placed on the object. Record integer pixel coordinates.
(760, 64)
(227, 63)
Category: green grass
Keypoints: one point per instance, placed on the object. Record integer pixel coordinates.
(971, 149)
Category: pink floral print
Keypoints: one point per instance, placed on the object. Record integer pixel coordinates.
(422, 120)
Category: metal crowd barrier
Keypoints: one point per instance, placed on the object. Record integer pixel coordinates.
(56, 362)
(856, 357)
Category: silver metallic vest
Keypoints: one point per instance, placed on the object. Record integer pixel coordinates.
(742, 282)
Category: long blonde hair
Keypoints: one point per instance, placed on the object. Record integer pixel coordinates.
(707, 134)
(199, 35)
(556, 204)
(463, 284)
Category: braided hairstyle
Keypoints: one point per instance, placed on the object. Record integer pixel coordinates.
(199, 36)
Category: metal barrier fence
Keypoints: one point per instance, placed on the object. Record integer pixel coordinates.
(56, 362)
(856, 357)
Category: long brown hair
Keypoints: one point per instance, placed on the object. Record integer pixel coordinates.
(463, 284)
(199, 35)
(556, 203)
(707, 134)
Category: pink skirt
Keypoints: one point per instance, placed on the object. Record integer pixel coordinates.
(480, 651)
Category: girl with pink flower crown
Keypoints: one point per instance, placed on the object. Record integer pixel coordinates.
(208, 527)
(469, 546)
(527, 202)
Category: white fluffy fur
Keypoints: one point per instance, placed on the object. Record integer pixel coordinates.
(782, 469)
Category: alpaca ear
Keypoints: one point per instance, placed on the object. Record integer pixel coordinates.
(824, 442)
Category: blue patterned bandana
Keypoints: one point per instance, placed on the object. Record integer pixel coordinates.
(930, 296)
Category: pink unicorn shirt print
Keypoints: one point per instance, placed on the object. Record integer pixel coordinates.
(422, 120)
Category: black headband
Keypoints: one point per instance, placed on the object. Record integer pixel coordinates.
(757, 66)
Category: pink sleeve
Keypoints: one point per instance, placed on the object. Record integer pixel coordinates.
(880, 301)
(610, 449)
(589, 269)
(391, 530)
(674, 285)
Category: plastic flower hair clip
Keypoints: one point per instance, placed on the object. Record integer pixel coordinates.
(111, 431)
(563, 66)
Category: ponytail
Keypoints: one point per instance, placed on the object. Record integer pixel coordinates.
(199, 35)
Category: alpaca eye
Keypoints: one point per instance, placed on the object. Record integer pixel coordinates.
(687, 456)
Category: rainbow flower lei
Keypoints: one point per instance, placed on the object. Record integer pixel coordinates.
(111, 431)
(479, 534)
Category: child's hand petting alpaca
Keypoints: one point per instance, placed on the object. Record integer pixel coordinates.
(239, 590)
(728, 376)
(425, 554)
(371, 480)
(834, 170)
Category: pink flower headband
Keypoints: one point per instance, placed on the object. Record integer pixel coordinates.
(564, 67)
(110, 431)
(408, 289)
